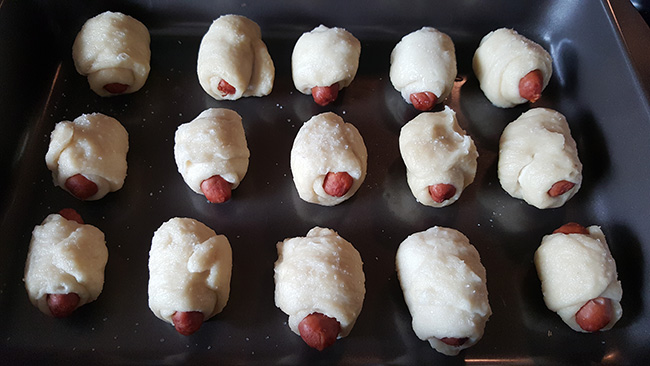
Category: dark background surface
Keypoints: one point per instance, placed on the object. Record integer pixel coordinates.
(600, 83)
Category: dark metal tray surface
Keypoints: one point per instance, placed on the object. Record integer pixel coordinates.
(600, 83)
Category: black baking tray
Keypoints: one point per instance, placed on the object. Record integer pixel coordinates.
(600, 83)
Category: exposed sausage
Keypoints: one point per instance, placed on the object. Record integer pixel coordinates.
(454, 342)
(62, 305)
(187, 322)
(560, 188)
(595, 314)
(441, 192)
(319, 331)
(81, 187)
(324, 95)
(337, 184)
(71, 214)
(531, 85)
(225, 88)
(216, 189)
(571, 228)
(116, 88)
(423, 101)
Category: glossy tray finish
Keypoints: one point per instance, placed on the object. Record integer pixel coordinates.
(600, 83)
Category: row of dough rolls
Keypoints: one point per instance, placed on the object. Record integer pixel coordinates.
(319, 278)
(112, 50)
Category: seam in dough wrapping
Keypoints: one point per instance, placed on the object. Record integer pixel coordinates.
(424, 60)
(325, 144)
(536, 151)
(232, 50)
(321, 272)
(65, 257)
(575, 268)
(323, 57)
(189, 269)
(502, 58)
(436, 150)
(113, 48)
(93, 145)
(214, 143)
(444, 287)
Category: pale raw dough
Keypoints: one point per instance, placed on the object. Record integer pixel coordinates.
(444, 287)
(424, 60)
(113, 48)
(93, 145)
(536, 151)
(213, 143)
(436, 150)
(326, 144)
(232, 50)
(65, 257)
(323, 57)
(575, 268)
(189, 269)
(322, 273)
(502, 58)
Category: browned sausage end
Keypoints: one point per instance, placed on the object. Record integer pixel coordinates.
(216, 189)
(571, 228)
(424, 101)
(559, 188)
(81, 187)
(441, 192)
(187, 322)
(62, 305)
(71, 214)
(595, 314)
(337, 184)
(531, 85)
(324, 95)
(319, 331)
(116, 88)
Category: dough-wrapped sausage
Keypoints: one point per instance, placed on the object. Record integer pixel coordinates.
(423, 62)
(112, 50)
(233, 60)
(212, 145)
(189, 273)
(326, 144)
(320, 275)
(538, 159)
(444, 287)
(325, 61)
(92, 148)
(65, 264)
(440, 158)
(503, 59)
(579, 278)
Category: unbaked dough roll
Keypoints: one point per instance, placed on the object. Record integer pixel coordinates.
(538, 159)
(502, 59)
(65, 257)
(444, 287)
(327, 144)
(440, 157)
(574, 269)
(189, 271)
(423, 61)
(213, 144)
(320, 273)
(93, 146)
(233, 61)
(112, 49)
(325, 57)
